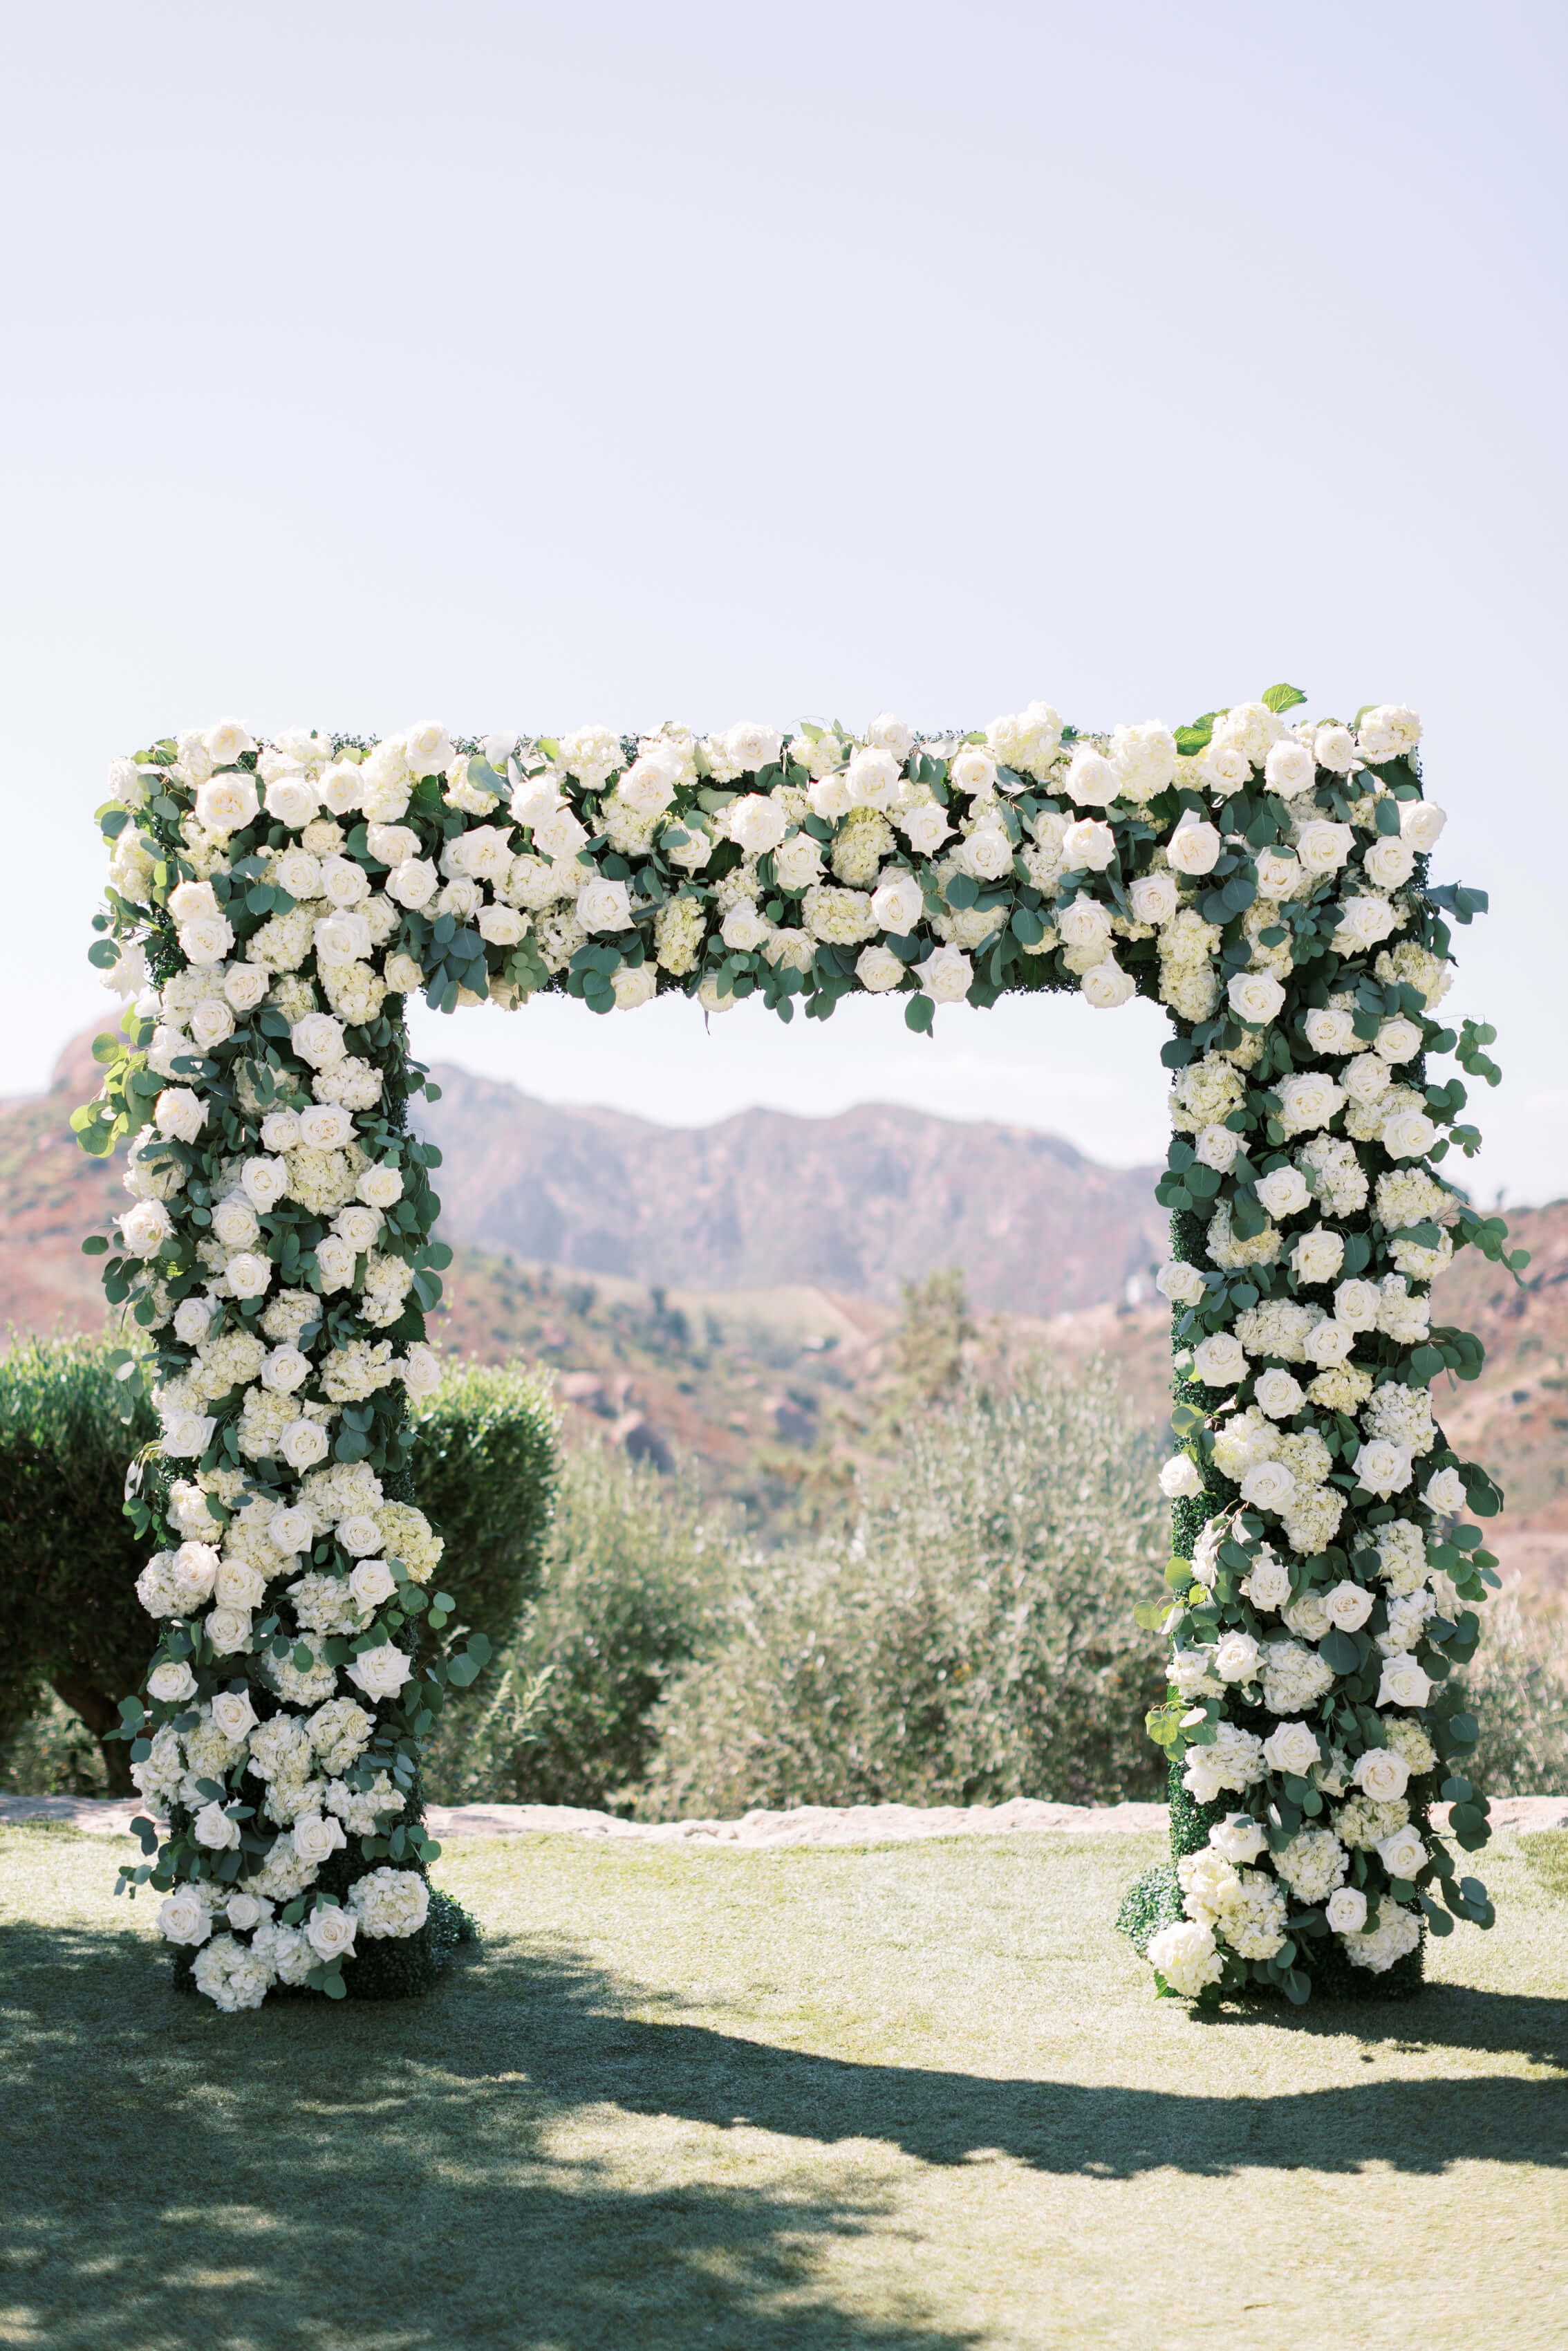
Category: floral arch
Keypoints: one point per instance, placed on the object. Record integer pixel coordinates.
(269, 907)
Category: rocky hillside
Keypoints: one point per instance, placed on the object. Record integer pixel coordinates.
(854, 1204)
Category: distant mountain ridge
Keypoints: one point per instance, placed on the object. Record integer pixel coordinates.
(855, 1203)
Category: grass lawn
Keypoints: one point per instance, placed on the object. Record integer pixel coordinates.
(914, 2095)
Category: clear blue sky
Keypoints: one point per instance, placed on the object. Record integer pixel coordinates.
(532, 366)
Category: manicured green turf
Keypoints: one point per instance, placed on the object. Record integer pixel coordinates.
(917, 2095)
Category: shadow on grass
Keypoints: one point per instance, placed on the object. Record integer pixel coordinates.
(402, 2178)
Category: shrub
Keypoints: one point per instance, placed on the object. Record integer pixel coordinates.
(481, 1466)
(1518, 1686)
(636, 1573)
(973, 1641)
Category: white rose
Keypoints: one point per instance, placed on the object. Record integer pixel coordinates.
(1215, 1147)
(1383, 1774)
(1235, 1659)
(326, 1126)
(756, 823)
(1346, 1910)
(1444, 1495)
(168, 1684)
(1292, 1747)
(1092, 781)
(1089, 843)
(946, 975)
(187, 900)
(1364, 919)
(292, 800)
(299, 874)
(302, 1444)
(1239, 1839)
(344, 881)
(244, 1912)
(1227, 768)
(330, 1932)
(319, 1039)
(145, 1227)
(1180, 1477)
(1255, 997)
(1278, 874)
(742, 928)
(890, 734)
(412, 882)
(380, 1672)
(1106, 985)
(184, 1918)
(648, 785)
(749, 745)
(1397, 1040)
(187, 1434)
(379, 1187)
(872, 778)
(973, 772)
(428, 749)
(264, 1181)
(501, 926)
(605, 905)
(244, 985)
(234, 1224)
(421, 1371)
(1333, 748)
(227, 1629)
(1084, 923)
(988, 853)
(1194, 847)
(830, 798)
(1155, 898)
(1318, 1255)
(1402, 1854)
(1284, 1192)
(1330, 1342)
(359, 1535)
(289, 1529)
(227, 803)
(1268, 1585)
(1403, 1683)
(634, 986)
(335, 1259)
(1365, 1077)
(799, 864)
(926, 827)
(227, 742)
(1348, 1606)
(249, 1274)
(315, 1840)
(1182, 1284)
(233, 1714)
(1357, 1303)
(1220, 1361)
(1421, 823)
(878, 969)
(212, 1023)
(898, 901)
(1278, 1394)
(1290, 768)
(1323, 847)
(193, 1320)
(205, 940)
(214, 1828)
(1383, 1468)
(285, 1370)
(1330, 1029)
(1308, 1098)
(1390, 861)
(371, 1581)
(195, 1569)
(1408, 1135)
(1268, 1486)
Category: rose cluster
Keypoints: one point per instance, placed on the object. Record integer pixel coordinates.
(1323, 1590)
(271, 904)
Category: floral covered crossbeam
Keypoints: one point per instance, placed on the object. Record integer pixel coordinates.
(270, 905)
